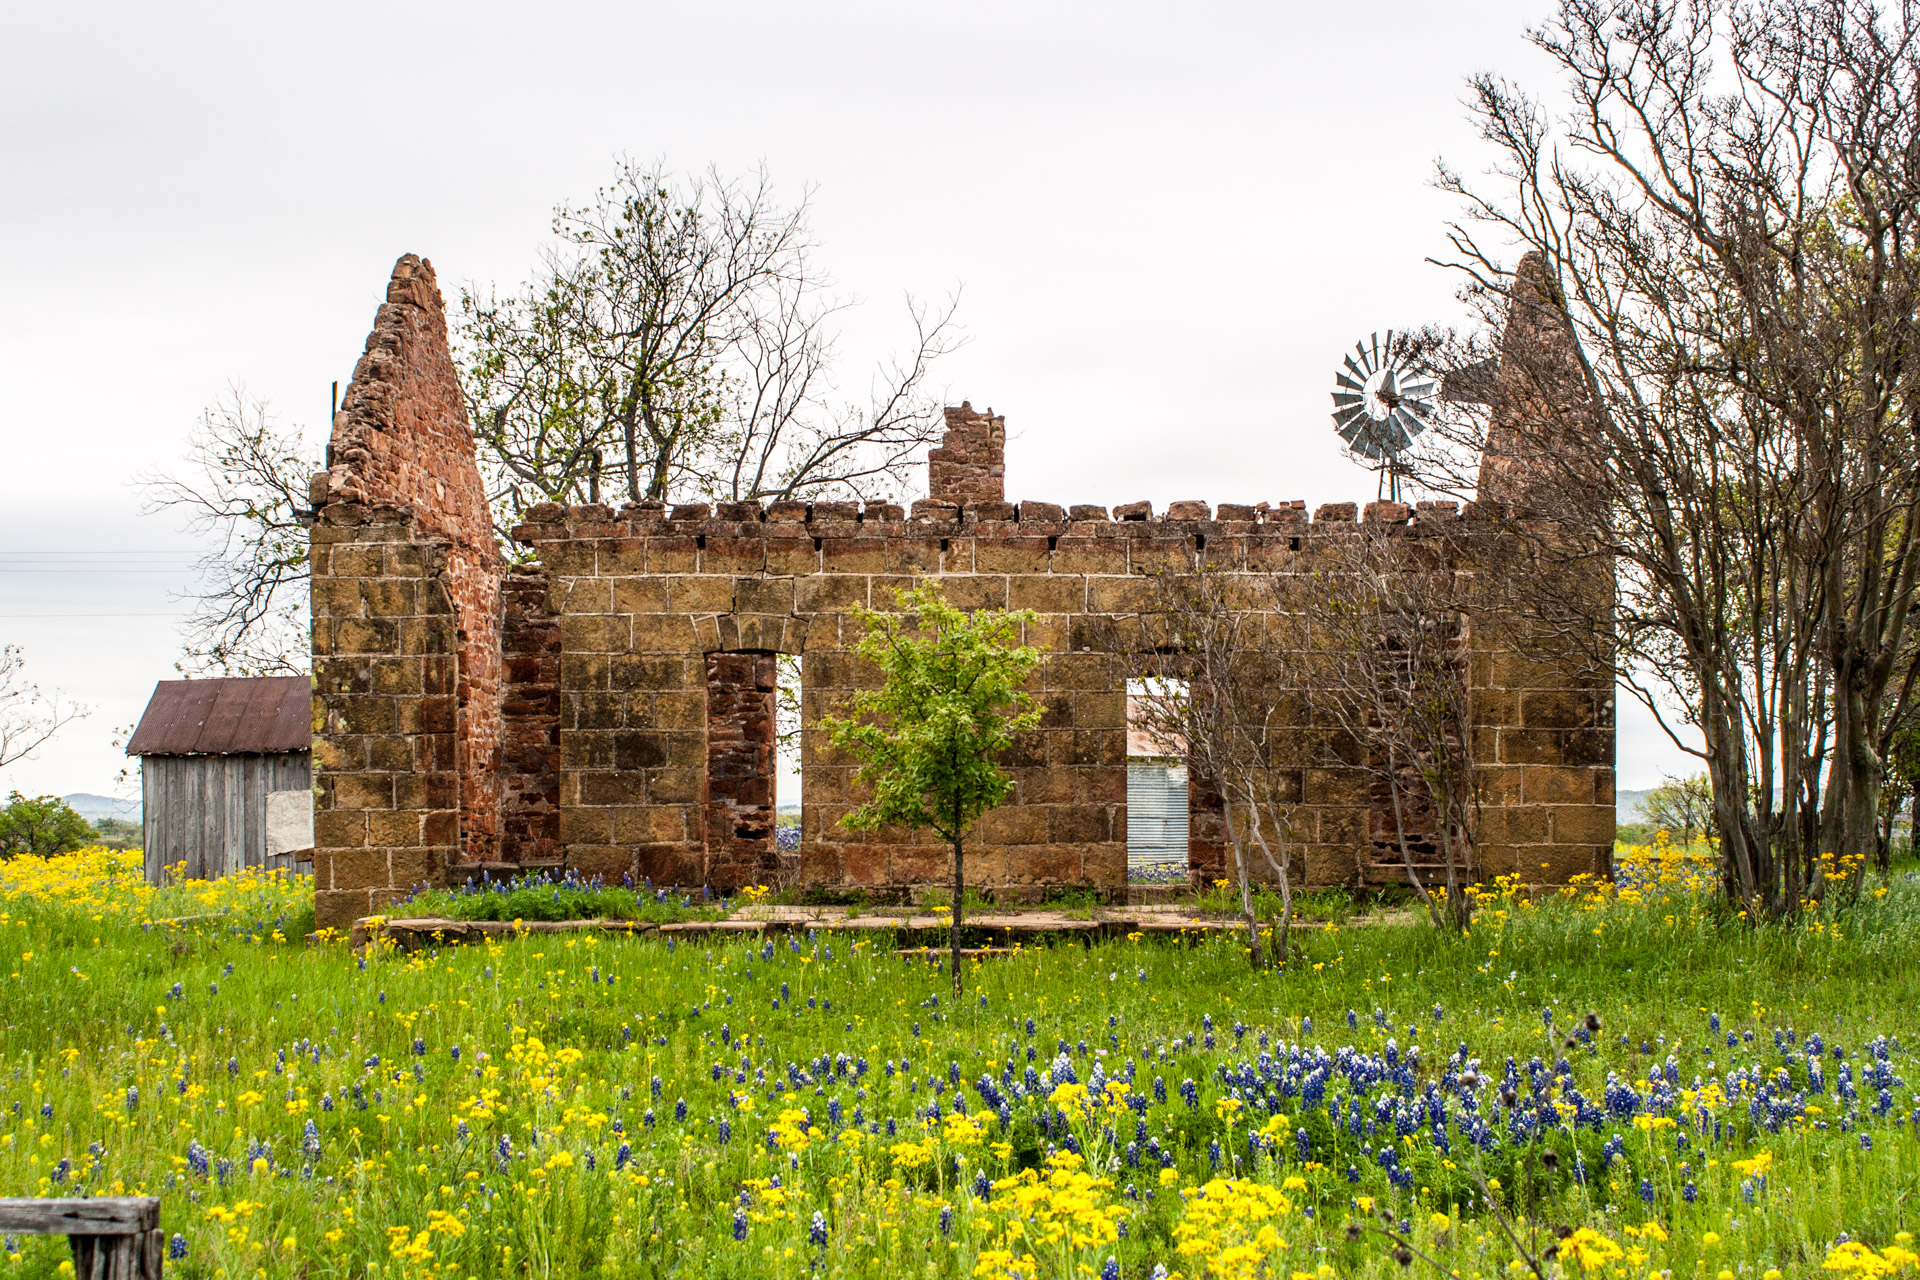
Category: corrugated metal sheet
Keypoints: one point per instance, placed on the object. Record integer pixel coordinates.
(267, 715)
(1156, 814)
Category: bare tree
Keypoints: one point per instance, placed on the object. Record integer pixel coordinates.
(1390, 608)
(244, 488)
(1216, 679)
(28, 717)
(678, 340)
(1708, 379)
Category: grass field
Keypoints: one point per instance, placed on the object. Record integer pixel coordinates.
(809, 1106)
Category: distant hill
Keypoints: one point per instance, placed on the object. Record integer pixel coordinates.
(93, 808)
(1626, 806)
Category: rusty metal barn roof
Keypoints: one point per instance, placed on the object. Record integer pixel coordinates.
(230, 716)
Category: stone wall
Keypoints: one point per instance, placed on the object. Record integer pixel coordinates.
(401, 439)
(529, 724)
(385, 679)
(971, 463)
(611, 708)
(655, 602)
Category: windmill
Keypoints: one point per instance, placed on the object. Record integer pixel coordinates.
(1380, 405)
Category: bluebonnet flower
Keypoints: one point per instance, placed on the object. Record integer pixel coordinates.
(1110, 1270)
(739, 1224)
(1646, 1190)
(817, 1233)
(177, 1247)
(946, 1219)
(1689, 1192)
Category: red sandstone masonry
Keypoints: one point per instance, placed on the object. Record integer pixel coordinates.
(529, 723)
(401, 439)
(624, 681)
(971, 463)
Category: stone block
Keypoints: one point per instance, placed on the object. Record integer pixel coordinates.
(1583, 824)
(975, 591)
(340, 829)
(1555, 709)
(636, 594)
(662, 633)
(831, 594)
(1079, 824)
(699, 593)
(1555, 785)
(337, 909)
(1047, 593)
(1133, 511)
(394, 829)
(362, 791)
(596, 633)
(1012, 824)
(861, 555)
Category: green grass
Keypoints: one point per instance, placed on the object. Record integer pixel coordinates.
(539, 896)
(527, 1093)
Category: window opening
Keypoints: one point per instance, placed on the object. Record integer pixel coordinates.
(787, 735)
(740, 770)
(1157, 783)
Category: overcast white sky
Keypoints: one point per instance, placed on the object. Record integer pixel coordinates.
(1168, 221)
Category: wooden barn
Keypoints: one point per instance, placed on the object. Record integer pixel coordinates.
(226, 774)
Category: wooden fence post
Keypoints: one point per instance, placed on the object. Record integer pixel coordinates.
(112, 1237)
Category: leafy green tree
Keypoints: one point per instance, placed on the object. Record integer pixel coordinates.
(930, 739)
(41, 825)
(1681, 806)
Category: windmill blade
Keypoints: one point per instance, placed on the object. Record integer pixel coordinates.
(1356, 370)
(1378, 360)
(1344, 418)
(1347, 382)
(1422, 390)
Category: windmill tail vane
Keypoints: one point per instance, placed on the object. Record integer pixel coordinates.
(1379, 406)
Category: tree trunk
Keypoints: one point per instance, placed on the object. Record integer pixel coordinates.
(959, 899)
(1240, 871)
(1400, 833)
(1280, 871)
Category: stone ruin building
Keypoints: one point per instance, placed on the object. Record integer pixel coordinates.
(609, 706)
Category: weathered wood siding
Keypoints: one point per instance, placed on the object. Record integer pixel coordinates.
(210, 812)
